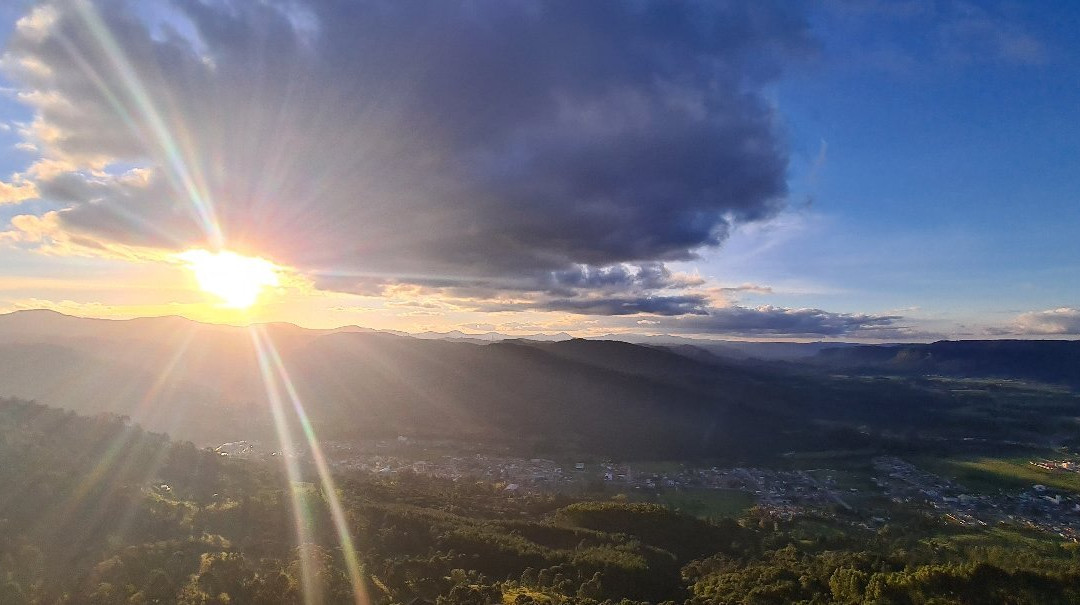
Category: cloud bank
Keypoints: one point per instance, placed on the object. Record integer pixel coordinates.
(542, 155)
(768, 320)
(1063, 321)
(467, 139)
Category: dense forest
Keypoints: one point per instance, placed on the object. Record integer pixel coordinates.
(96, 510)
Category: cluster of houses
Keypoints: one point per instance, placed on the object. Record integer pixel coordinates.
(1069, 466)
(782, 493)
(1038, 507)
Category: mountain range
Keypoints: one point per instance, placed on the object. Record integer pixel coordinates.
(205, 383)
(1051, 361)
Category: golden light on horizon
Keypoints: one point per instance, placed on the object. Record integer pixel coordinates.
(236, 279)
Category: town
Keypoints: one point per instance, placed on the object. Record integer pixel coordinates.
(782, 494)
(1038, 507)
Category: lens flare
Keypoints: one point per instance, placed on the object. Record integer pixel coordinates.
(139, 110)
(301, 515)
(237, 280)
(274, 373)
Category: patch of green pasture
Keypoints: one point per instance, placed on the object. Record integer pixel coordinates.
(988, 474)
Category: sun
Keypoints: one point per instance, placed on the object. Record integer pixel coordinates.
(237, 280)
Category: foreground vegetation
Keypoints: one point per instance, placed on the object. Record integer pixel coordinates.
(98, 511)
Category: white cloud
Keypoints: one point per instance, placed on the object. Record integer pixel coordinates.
(1064, 321)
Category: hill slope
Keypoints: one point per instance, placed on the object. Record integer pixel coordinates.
(203, 382)
(1055, 361)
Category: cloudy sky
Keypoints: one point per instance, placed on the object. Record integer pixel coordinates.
(859, 170)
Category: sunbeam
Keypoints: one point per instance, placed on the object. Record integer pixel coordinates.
(182, 173)
(267, 352)
(301, 516)
(145, 409)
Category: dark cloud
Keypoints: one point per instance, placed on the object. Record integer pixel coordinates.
(522, 145)
(693, 314)
(681, 311)
(579, 280)
(496, 155)
(623, 278)
(769, 320)
(653, 305)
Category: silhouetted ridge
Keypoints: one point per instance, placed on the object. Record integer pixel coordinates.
(1056, 361)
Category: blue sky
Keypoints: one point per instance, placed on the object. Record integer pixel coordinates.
(929, 151)
(940, 182)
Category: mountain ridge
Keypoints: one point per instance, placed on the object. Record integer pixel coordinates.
(208, 383)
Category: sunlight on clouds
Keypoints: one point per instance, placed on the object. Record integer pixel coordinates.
(17, 191)
(46, 235)
(36, 25)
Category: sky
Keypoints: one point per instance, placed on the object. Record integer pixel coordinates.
(834, 170)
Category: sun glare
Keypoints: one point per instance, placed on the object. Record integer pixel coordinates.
(237, 280)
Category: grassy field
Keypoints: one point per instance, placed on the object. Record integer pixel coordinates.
(1005, 546)
(808, 531)
(703, 503)
(993, 474)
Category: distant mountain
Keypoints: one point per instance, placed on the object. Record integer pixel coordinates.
(777, 351)
(458, 335)
(1053, 361)
(726, 349)
(203, 382)
(733, 349)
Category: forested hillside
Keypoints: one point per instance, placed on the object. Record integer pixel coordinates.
(96, 510)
